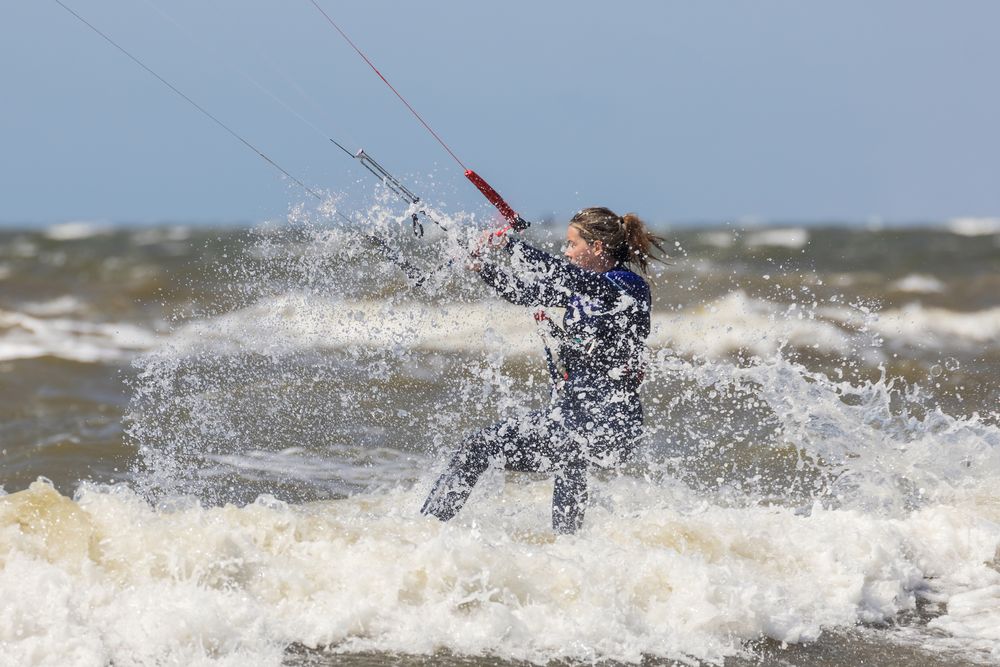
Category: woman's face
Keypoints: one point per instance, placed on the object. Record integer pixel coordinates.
(585, 255)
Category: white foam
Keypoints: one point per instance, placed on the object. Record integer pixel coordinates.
(289, 322)
(23, 336)
(919, 283)
(974, 226)
(738, 322)
(791, 237)
(921, 326)
(156, 235)
(656, 572)
(368, 468)
(717, 239)
(63, 305)
(294, 321)
(22, 247)
(74, 231)
(304, 321)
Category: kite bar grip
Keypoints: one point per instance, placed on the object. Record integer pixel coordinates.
(516, 221)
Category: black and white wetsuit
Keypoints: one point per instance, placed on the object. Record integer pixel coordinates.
(595, 417)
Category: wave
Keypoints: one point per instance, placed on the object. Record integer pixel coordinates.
(719, 239)
(739, 322)
(23, 336)
(77, 230)
(974, 226)
(920, 326)
(731, 323)
(904, 511)
(295, 321)
(62, 305)
(778, 237)
(791, 237)
(107, 578)
(919, 283)
(287, 323)
(161, 234)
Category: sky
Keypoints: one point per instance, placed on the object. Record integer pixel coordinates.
(680, 110)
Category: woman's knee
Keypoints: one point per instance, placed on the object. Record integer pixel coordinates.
(478, 451)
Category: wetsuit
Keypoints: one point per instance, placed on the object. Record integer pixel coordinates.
(595, 417)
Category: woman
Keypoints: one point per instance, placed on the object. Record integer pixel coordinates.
(595, 416)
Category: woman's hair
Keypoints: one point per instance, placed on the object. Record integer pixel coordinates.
(624, 236)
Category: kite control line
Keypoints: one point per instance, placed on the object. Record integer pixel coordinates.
(413, 273)
(515, 221)
(195, 104)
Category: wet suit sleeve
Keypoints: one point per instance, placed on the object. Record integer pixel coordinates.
(558, 275)
(521, 292)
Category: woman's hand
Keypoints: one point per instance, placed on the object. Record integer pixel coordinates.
(488, 241)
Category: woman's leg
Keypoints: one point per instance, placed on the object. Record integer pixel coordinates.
(598, 433)
(453, 487)
(569, 496)
(533, 444)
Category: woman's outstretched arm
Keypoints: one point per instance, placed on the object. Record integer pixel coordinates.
(562, 276)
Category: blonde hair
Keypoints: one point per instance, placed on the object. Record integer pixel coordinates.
(626, 237)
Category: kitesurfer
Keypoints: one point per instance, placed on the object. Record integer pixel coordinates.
(595, 416)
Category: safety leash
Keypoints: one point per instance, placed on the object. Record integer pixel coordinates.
(547, 328)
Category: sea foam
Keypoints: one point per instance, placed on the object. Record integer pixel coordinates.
(303, 320)
(656, 571)
(24, 336)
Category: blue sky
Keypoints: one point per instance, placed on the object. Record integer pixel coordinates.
(680, 110)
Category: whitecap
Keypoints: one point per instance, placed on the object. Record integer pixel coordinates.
(74, 231)
(739, 322)
(107, 578)
(974, 226)
(299, 321)
(62, 305)
(791, 237)
(917, 325)
(154, 235)
(717, 239)
(295, 321)
(23, 336)
(918, 283)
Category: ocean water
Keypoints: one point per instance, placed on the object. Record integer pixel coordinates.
(215, 440)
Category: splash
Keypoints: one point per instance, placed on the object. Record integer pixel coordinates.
(656, 572)
(790, 482)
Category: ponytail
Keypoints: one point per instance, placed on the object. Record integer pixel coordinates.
(626, 237)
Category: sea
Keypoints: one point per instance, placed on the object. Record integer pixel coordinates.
(215, 440)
